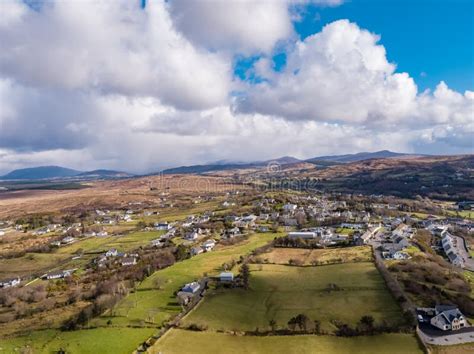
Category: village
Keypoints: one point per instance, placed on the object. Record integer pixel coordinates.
(120, 248)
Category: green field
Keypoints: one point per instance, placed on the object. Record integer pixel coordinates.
(181, 341)
(321, 256)
(280, 292)
(146, 308)
(91, 341)
(29, 264)
(154, 305)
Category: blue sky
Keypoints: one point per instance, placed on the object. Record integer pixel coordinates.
(429, 39)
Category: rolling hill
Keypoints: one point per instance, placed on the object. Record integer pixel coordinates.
(42, 172)
(58, 172)
(321, 161)
(361, 156)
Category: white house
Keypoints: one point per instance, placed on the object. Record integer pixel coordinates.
(8, 283)
(67, 240)
(111, 253)
(191, 236)
(399, 255)
(289, 207)
(58, 274)
(231, 233)
(369, 234)
(196, 250)
(448, 318)
(208, 245)
(156, 242)
(128, 261)
(162, 226)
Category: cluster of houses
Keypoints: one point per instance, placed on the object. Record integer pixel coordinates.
(112, 255)
(107, 218)
(49, 228)
(206, 246)
(397, 242)
(451, 248)
(10, 282)
(158, 242)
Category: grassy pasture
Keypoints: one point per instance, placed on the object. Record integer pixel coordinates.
(148, 304)
(91, 341)
(30, 263)
(327, 255)
(280, 292)
(50, 319)
(154, 305)
(181, 341)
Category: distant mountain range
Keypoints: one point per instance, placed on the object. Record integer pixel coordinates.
(58, 172)
(224, 165)
(360, 156)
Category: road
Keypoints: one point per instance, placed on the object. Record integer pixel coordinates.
(464, 252)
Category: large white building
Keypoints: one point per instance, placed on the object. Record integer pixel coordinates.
(305, 235)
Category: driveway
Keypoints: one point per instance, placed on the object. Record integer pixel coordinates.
(438, 337)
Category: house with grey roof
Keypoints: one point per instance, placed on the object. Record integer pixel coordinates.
(196, 250)
(448, 318)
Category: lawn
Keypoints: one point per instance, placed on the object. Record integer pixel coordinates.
(322, 256)
(91, 341)
(280, 292)
(345, 231)
(181, 341)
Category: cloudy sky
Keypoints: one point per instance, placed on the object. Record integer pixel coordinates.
(142, 85)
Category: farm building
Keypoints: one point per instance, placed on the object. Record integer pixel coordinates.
(191, 287)
(226, 277)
